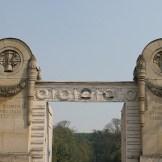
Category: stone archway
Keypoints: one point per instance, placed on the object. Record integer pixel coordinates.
(26, 118)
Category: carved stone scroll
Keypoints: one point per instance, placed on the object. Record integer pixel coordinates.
(7, 91)
(155, 89)
(86, 91)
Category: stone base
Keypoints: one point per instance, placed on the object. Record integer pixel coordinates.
(151, 159)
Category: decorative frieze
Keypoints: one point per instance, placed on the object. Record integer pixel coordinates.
(85, 93)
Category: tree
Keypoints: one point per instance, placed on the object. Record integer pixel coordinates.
(107, 143)
(68, 147)
(63, 124)
(99, 146)
(114, 126)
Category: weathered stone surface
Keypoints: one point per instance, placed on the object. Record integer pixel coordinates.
(149, 79)
(14, 58)
(131, 137)
(86, 91)
(24, 122)
(26, 119)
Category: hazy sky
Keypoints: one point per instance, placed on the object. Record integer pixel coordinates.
(91, 40)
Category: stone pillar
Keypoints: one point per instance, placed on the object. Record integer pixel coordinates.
(14, 58)
(32, 78)
(149, 80)
(23, 119)
(140, 79)
(131, 132)
(123, 133)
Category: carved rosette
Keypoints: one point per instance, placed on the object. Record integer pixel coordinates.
(86, 94)
(131, 95)
(10, 60)
(156, 65)
(10, 63)
(158, 59)
(108, 94)
(156, 62)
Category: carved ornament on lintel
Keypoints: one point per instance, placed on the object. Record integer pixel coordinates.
(86, 94)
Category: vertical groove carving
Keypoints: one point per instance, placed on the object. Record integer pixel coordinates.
(140, 72)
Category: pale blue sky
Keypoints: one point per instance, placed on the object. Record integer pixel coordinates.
(84, 40)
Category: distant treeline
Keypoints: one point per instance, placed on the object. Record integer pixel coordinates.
(99, 146)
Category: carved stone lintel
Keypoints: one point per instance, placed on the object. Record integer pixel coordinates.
(87, 94)
(7, 91)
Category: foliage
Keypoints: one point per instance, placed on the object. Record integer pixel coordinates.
(68, 148)
(99, 146)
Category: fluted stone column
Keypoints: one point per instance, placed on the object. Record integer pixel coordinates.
(140, 79)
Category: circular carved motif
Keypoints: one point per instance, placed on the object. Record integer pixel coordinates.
(86, 94)
(158, 60)
(64, 94)
(131, 95)
(42, 93)
(108, 94)
(10, 60)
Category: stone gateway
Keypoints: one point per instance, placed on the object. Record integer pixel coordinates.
(26, 119)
